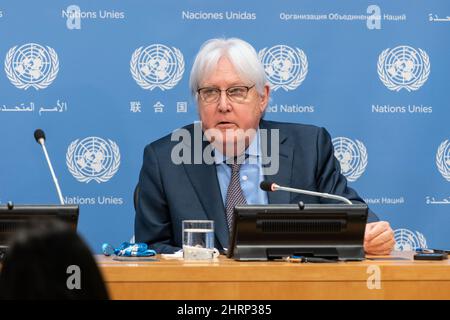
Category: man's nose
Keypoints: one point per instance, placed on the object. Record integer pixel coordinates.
(224, 102)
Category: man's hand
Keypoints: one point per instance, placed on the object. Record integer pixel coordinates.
(379, 238)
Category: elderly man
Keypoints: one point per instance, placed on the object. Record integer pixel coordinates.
(232, 93)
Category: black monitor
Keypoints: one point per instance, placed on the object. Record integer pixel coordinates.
(330, 231)
(17, 217)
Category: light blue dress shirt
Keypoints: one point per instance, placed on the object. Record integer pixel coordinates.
(251, 174)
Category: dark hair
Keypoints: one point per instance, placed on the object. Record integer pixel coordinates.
(38, 265)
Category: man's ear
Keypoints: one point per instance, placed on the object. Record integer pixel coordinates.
(265, 98)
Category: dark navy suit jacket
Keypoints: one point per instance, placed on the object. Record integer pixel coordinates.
(170, 193)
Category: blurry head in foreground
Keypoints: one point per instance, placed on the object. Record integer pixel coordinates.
(50, 261)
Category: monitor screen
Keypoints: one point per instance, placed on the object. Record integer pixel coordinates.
(14, 218)
(331, 231)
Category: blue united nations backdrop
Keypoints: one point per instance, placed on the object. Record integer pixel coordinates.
(105, 78)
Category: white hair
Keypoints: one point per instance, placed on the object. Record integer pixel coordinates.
(241, 55)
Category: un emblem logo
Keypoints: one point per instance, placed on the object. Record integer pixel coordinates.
(403, 68)
(443, 159)
(352, 156)
(285, 67)
(406, 240)
(93, 159)
(31, 65)
(157, 66)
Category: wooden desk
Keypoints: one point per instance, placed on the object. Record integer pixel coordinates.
(229, 279)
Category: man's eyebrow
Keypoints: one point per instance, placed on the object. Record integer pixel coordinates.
(233, 84)
(208, 86)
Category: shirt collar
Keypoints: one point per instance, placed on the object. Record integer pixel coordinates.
(253, 150)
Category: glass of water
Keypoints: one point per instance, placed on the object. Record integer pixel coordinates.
(198, 240)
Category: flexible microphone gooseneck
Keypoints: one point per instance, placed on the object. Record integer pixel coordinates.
(39, 135)
(271, 186)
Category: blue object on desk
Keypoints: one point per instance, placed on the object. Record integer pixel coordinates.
(127, 249)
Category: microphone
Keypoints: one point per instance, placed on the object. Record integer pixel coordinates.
(39, 135)
(271, 186)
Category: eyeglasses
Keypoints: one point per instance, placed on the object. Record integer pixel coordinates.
(236, 94)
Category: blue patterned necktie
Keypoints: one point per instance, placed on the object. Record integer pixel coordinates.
(235, 196)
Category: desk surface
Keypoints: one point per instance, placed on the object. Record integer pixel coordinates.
(400, 278)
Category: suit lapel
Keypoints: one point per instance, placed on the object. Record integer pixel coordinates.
(204, 181)
(286, 156)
